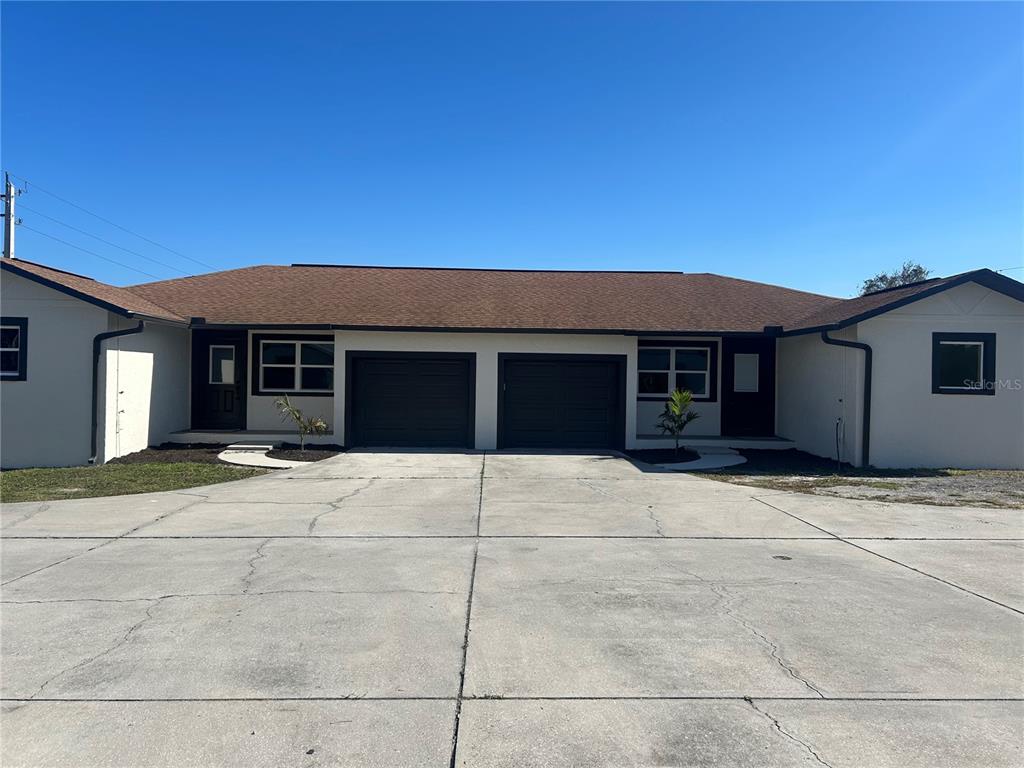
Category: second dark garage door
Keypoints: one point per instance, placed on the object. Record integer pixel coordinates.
(561, 401)
(410, 399)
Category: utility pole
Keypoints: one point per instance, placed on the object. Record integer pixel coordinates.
(9, 221)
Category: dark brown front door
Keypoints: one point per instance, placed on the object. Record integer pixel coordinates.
(748, 387)
(218, 380)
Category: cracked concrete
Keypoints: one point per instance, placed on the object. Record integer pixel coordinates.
(778, 727)
(336, 506)
(559, 610)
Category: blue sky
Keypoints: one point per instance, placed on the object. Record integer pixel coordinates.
(810, 145)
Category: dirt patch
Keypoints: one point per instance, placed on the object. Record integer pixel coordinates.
(663, 455)
(174, 453)
(801, 472)
(291, 452)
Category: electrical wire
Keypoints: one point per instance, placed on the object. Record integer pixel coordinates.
(24, 207)
(108, 221)
(91, 253)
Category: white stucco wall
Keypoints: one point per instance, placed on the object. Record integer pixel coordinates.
(816, 386)
(262, 414)
(486, 346)
(145, 387)
(45, 420)
(710, 421)
(911, 427)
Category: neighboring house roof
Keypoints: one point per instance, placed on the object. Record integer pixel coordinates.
(118, 300)
(845, 312)
(465, 299)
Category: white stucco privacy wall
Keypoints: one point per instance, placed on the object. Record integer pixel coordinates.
(45, 421)
(910, 426)
(818, 385)
(486, 346)
(144, 385)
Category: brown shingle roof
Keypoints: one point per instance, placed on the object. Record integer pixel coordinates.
(848, 311)
(108, 296)
(415, 297)
(394, 297)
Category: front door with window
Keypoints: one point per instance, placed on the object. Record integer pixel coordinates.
(218, 380)
(748, 387)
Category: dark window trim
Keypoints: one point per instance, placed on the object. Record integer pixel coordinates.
(712, 347)
(288, 337)
(351, 355)
(988, 362)
(22, 325)
(619, 360)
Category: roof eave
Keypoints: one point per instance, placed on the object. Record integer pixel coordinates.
(983, 277)
(75, 294)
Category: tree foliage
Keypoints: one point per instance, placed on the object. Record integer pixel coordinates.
(677, 414)
(909, 272)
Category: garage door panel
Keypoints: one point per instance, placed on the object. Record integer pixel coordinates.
(562, 401)
(411, 401)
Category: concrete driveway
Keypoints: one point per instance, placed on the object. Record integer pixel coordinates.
(431, 609)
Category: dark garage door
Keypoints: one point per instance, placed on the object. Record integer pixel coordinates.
(561, 401)
(400, 399)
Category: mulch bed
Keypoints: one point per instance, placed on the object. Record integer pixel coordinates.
(174, 453)
(291, 452)
(663, 455)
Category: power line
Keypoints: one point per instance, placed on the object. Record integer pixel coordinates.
(91, 253)
(111, 223)
(106, 242)
(1008, 269)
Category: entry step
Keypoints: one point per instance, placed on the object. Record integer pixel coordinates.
(254, 447)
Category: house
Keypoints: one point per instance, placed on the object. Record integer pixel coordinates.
(925, 375)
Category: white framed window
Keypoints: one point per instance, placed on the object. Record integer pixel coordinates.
(963, 363)
(660, 370)
(296, 366)
(960, 364)
(222, 363)
(13, 348)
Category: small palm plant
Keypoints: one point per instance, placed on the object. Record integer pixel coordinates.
(307, 425)
(677, 414)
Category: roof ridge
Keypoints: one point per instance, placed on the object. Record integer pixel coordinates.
(201, 275)
(768, 285)
(498, 269)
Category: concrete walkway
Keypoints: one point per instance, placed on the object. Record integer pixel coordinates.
(256, 456)
(430, 609)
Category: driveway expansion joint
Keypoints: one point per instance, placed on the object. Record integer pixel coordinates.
(778, 727)
(893, 560)
(469, 613)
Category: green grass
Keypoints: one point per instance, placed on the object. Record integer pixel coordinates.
(45, 484)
